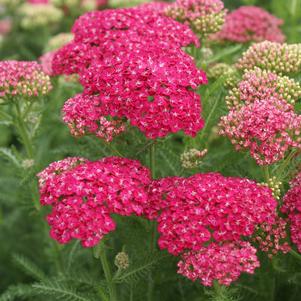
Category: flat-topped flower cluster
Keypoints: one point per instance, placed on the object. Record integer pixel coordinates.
(132, 67)
(197, 216)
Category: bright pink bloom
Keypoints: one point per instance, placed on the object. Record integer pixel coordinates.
(292, 207)
(268, 128)
(123, 27)
(75, 218)
(84, 194)
(86, 114)
(99, 27)
(154, 90)
(272, 239)
(23, 78)
(251, 23)
(208, 207)
(222, 262)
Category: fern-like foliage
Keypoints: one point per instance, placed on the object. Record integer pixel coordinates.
(17, 292)
(60, 291)
(29, 267)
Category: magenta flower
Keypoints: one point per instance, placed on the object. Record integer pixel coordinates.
(208, 207)
(84, 194)
(292, 207)
(86, 114)
(251, 23)
(222, 262)
(154, 90)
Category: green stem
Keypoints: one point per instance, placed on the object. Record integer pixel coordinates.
(266, 173)
(23, 132)
(295, 254)
(153, 242)
(283, 166)
(107, 272)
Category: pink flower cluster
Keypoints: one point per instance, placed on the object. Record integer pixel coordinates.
(23, 78)
(251, 23)
(205, 217)
(155, 91)
(260, 84)
(84, 194)
(126, 75)
(223, 262)
(272, 238)
(292, 207)
(266, 127)
(99, 29)
(206, 207)
(86, 114)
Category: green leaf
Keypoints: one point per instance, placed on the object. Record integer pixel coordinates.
(59, 291)
(7, 154)
(29, 267)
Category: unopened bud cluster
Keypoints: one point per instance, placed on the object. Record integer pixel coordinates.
(280, 58)
(260, 84)
(203, 16)
(223, 69)
(192, 158)
(275, 185)
(38, 15)
(122, 261)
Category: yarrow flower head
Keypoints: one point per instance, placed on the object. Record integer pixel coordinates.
(203, 16)
(292, 207)
(279, 58)
(219, 262)
(23, 78)
(118, 30)
(38, 15)
(84, 194)
(154, 90)
(268, 128)
(272, 239)
(208, 207)
(251, 23)
(86, 114)
(260, 84)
